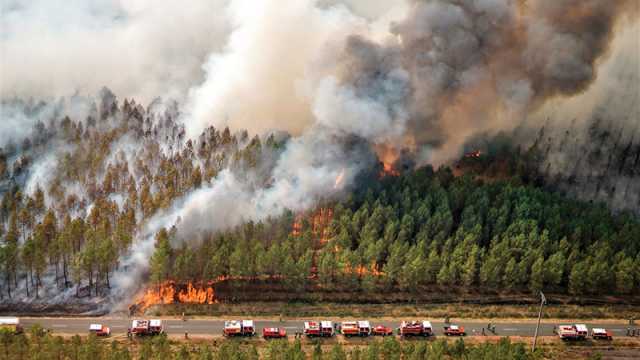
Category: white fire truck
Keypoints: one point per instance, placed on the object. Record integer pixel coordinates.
(147, 327)
(318, 328)
(355, 328)
(239, 328)
(573, 332)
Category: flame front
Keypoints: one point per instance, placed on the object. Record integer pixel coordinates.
(167, 293)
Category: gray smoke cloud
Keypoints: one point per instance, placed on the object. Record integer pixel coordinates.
(482, 66)
(590, 143)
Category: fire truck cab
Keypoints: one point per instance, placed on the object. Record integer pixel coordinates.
(99, 330)
(355, 328)
(572, 332)
(318, 328)
(239, 328)
(12, 324)
(416, 328)
(601, 334)
(454, 330)
(274, 333)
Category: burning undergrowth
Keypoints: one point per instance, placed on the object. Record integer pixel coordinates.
(169, 292)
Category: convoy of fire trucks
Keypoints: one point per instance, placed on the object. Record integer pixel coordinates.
(326, 328)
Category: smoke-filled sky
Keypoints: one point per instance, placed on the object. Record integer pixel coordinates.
(424, 74)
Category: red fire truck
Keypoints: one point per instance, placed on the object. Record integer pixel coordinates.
(355, 328)
(147, 327)
(99, 330)
(601, 334)
(318, 328)
(239, 328)
(416, 328)
(572, 332)
(274, 333)
(454, 330)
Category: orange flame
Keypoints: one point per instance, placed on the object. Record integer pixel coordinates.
(473, 154)
(319, 221)
(388, 156)
(362, 270)
(167, 293)
(320, 224)
(388, 170)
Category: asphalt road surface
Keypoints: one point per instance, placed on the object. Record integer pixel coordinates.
(214, 327)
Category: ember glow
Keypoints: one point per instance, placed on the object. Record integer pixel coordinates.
(388, 170)
(362, 270)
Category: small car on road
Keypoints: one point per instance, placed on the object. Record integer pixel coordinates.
(454, 330)
(601, 334)
(274, 333)
(382, 330)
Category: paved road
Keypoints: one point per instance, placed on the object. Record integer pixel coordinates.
(214, 327)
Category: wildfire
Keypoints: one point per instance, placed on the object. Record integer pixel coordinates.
(362, 270)
(320, 224)
(388, 170)
(168, 293)
(388, 156)
(296, 228)
(320, 221)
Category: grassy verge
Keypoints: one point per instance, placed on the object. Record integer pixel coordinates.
(466, 311)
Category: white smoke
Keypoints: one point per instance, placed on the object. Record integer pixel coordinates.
(263, 79)
(138, 48)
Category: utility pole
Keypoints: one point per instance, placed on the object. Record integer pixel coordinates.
(543, 301)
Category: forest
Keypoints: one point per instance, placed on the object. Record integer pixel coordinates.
(68, 228)
(426, 228)
(39, 345)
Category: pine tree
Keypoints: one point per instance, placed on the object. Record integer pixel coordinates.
(536, 280)
(624, 276)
